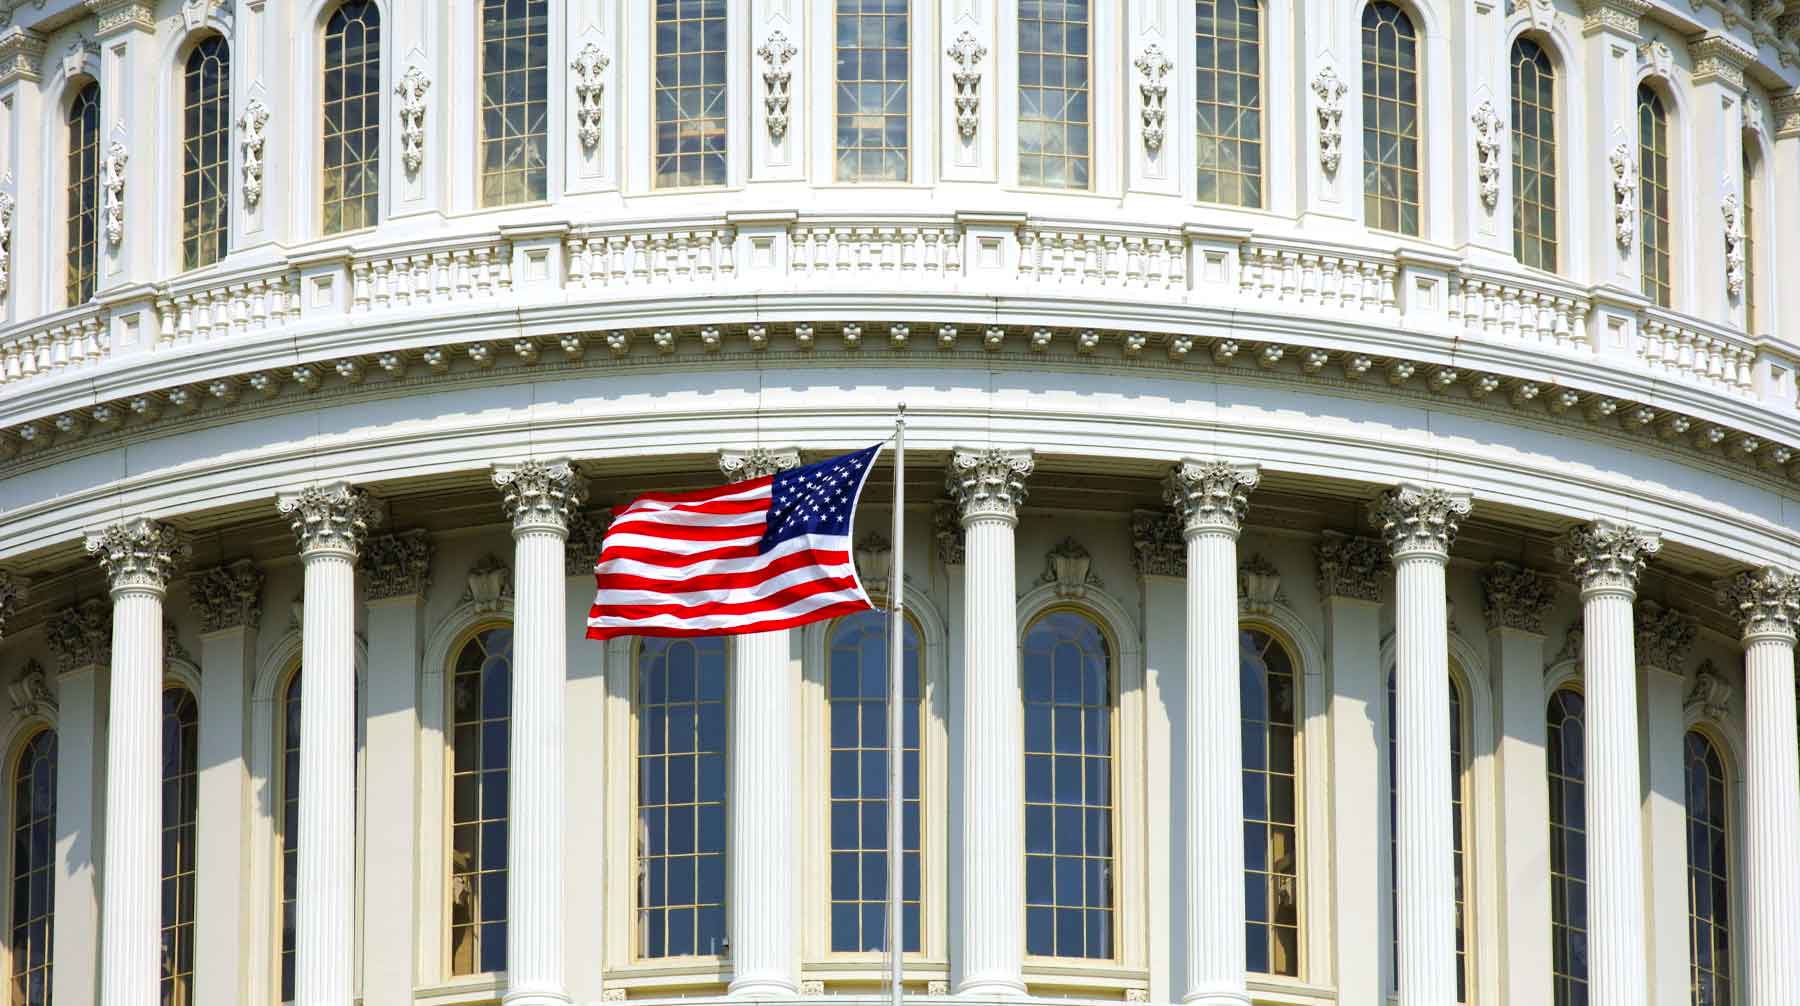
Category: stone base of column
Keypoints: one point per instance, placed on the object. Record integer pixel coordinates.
(1218, 997)
(760, 988)
(531, 997)
(994, 987)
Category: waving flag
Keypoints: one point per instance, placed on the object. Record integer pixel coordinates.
(753, 556)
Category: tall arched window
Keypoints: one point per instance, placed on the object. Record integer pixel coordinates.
(351, 155)
(33, 869)
(1390, 102)
(481, 731)
(874, 90)
(1709, 874)
(692, 120)
(180, 805)
(1271, 805)
(206, 154)
(1534, 155)
(1653, 194)
(681, 797)
(288, 839)
(857, 691)
(515, 60)
(1566, 762)
(1055, 94)
(1459, 802)
(83, 193)
(1068, 682)
(1228, 101)
(1748, 187)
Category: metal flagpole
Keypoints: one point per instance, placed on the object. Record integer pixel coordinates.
(896, 938)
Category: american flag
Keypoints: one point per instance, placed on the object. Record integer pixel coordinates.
(753, 556)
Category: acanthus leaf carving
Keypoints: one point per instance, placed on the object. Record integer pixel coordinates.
(1734, 244)
(1153, 64)
(397, 565)
(988, 482)
(1069, 567)
(581, 550)
(81, 636)
(1489, 128)
(757, 462)
(331, 517)
(778, 76)
(1624, 184)
(411, 90)
(14, 588)
(252, 129)
(1608, 556)
(967, 52)
(540, 494)
(1210, 495)
(1330, 92)
(1766, 601)
(138, 555)
(1419, 519)
(1158, 544)
(1351, 566)
(112, 175)
(1516, 598)
(228, 596)
(948, 532)
(589, 66)
(1663, 636)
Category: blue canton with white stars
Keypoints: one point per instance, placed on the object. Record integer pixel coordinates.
(817, 498)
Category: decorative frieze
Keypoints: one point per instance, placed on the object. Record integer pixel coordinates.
(1489, 128)
(757, 462)
(1617, 16)
(112, 16)
(14, 588)
(1608, 556)
(1517, 598)
(581, 550)
(333, 516)
(1734, 244)
(947, 530)
(411, 92)
(31, 693)
(1153, 69)
(21, 55)
(1158, 545)
(777, 53)
(81, 636)
(1416, 519)
(138, 555)
(397, 565)
(228, 596)
(1329, 91)
(1210, 495)
(1351, 567)
(988, 482)
(1786, 108)
(587, 69)
(112, 180)
(1069, 567)
(1719, 57)
(1663, 636)
(967, 52)
(1765, 601)
(489, 584)
(1709, 697)
(540, 494)
(252, 132)
(1624, 186)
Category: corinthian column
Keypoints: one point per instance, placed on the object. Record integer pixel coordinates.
(988, 486)
(1210, 497)
(1607, 559)
(1420, 523)
(1768, 603)
(761, 740)
(138, 556)
(331, 521)
(539, 497)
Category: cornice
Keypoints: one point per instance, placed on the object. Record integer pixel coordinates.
(111, 16)
(1719, 57)
(21, 55)
(1787, 115)
(1621, 17)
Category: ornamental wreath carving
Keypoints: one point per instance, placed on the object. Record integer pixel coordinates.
(1488, 130)
(588, 66)
(251, 126)
(967, 52)
(1153, 64)
(411, 91)
(1734, 244)
(1330, 91)
(777, 52)
(1624, 184)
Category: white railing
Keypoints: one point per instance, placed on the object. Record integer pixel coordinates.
(899, 252)
(1506, 308)
(1676, 347)
(211, 309)
(1297, 276)
(430, 275)
(1113, 259)
(70, 339)
(701, 255)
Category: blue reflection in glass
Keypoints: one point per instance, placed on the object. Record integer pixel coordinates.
(681, 797)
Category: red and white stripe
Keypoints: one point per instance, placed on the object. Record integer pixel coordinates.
(690, 564)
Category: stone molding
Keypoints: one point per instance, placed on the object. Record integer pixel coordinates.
(540, 495)
(1158, 546)
(1719, 57)
(112, 16)
(1608, 556)
(581, 549)
(1351, 566)
(1787, 115)
(1153, 87)
(1663, 636)
(1069, 567)
(1419, 520)
(1624, 183)
(31, 693)
(331, 517)
(139, 554)
(21, 55)
(1517, 598)
(112, 184)
(253, 133)
(757, 462)
(1489, 129)
(397, 565)
(1766, 602)
(1621, 17)
(14, 588)
(411, 90)
(1209, 495)
(228, 596)
(1709, 697)
(81, 635)
(946, 527)
(988, 482)
(1330, 91)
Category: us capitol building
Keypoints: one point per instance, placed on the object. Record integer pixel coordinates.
(1353, 499)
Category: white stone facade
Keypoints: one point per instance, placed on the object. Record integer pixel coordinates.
(1417, 466)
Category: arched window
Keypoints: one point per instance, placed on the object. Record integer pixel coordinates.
(1534, 155)
(1653, 193)
(180, 803)
(1748, 187)
(288, 838)
(690, 89)
(33, 869)
(1068, 682)
(481, 729)
(206, 154)
(1390, 101)
(515, 53)
(351, 164)
(681, 797)
(874, 92)
(1566, 762)
(1459, 802)
(1266, 678)
(1228, 101)
(1709, 874)
(857, 692)
(1055, 113)
(83, 193)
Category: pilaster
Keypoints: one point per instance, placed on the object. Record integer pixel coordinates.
(1718, 83)
(1608, 178)
(1161, 566)
(125, 31)
(14, 587)
(80, 638)
(21, 110)
(1785, 217)
(1664, 638)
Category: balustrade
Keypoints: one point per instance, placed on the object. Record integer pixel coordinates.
(1499, 307)
(651, 256)
(905, 251)
(1679, 349)
(1301, 276)
(1116, 260)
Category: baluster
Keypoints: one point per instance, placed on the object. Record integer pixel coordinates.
(165, 323)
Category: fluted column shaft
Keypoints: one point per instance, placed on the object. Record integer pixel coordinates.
(1420, 525)
(762, 819)
(139, 557)
(1209, 497)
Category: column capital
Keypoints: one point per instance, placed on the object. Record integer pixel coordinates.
(988, 482)
(331, 518)
(112, 16)
(1766, 602)
(540, 495)
(139, 555)
(1608, 557)
(1664, 636)
(1719, 57)
(1210, 496)
(581, 550)
(228, 596)
(1158, 547)
(1787, 115)
(21, 55)
(1517, 598)
(397, 565)
(757, 462)
(946, 526)
(1617, 16)
(1419, 520)
(1351, 566)
(14, 587)
(81, 636)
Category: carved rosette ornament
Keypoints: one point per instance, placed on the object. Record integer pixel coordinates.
(397, 565)
(1158, 546)
(139, 556)
(1766, 602)
(581, 550)
(13, 589)
(112, 179)
(1734, 244)
(1210, 496)
(1351, 566)
(588, 66)
(967, 52)
(31, 694)
(757, 462)
(1709, 697)
(778, 77)
(1330, 91)
(335, 517)
(1516, 598)
(81, 636)
(411, 91)
(228, 596)
(252, 127)
(1624, 185)
(947, 530)
(1605, 556)
(988, 483)
(540, 495)
(1419, 520)
(1153, 67)
(1489, 128)
(1663, 636)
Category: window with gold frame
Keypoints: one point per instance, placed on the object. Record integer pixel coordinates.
(180, 807)
(1268, 683)
(1459, 849)
(873, 112)
(480, 746)
(1391, 113)
(1567, 766)
(1709, 874)
(206, 154)
(350, 192)
(33, 869)
(689, 95)
(83, 194)
(1653, 195)
(515, 54)
(1055, 94)
(1228, 102)
(1534, 155)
